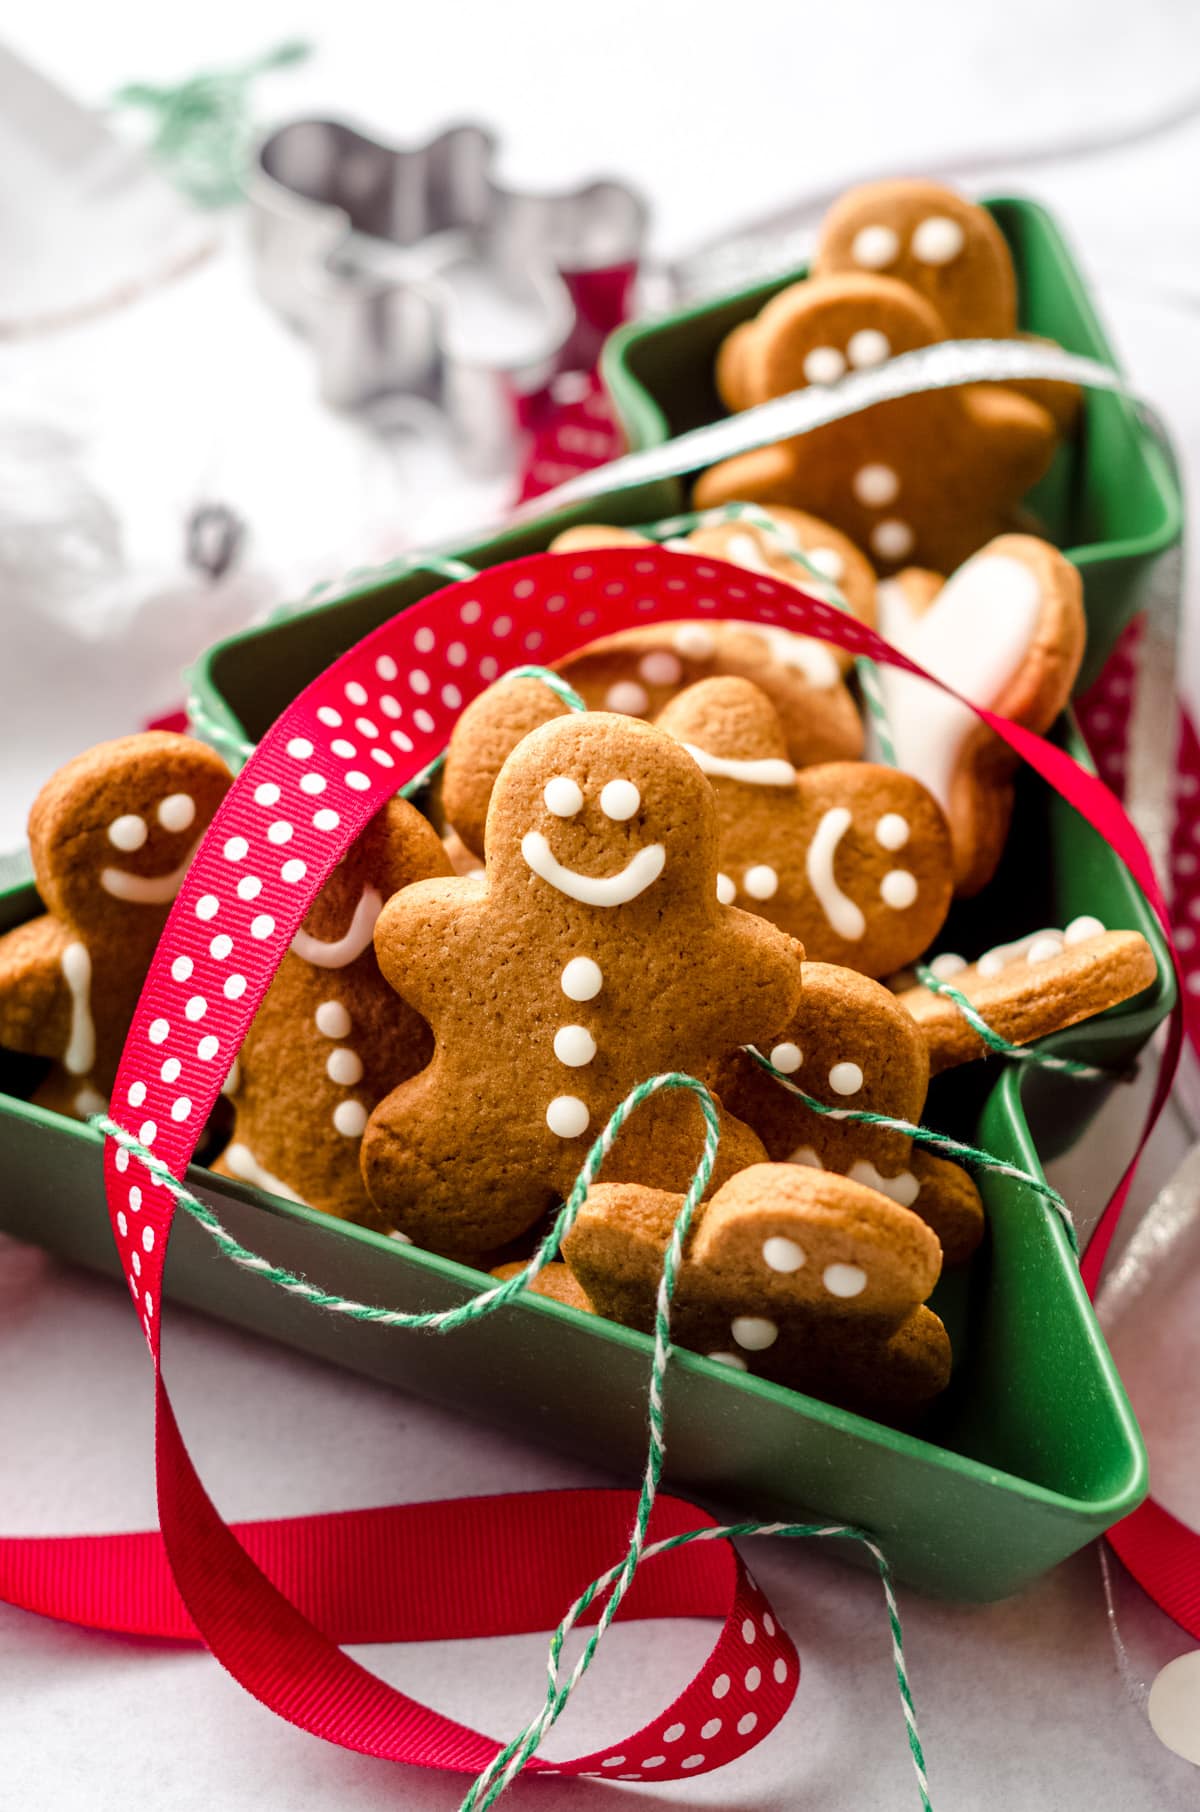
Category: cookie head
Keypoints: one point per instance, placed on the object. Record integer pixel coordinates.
(603, 812)
(113, 833)
(946, 248)
(397, 846)
(816, 331)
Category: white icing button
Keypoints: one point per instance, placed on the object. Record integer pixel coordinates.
(581, 979)
(991, 962)
(805, 1156)
(695, 642)
(937, 240)
(627, 697)
(898, 889)
(875, 247)
(755, 1332)
(574, 1046)
(892, 539)
(332, 1019)
(760, 882)
(1043, 949)
(892, 831)
(177, 811)
(844, 1280)
(567, 1116)
(868, 347)
(562, 796)
(787, 1057)
(127, 832)
(875, 485)
(350, 1118)
(733, 1360)
(1082, 928)
(827, 561)
(1173, 1707)
(824, 365)
(948, 965)
(780, 1254)
(845, 1078)
(345, 1067)
(619, 800)
(660, 668)
(726, 891)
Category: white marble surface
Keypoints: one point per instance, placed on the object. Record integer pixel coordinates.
(1021, 1703)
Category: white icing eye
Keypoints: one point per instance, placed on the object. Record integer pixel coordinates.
(845, 1078)
(892, 540)
(828, 562)
(627, 697)
(898, 889)
(761, 882)
(695, 642)
(567, 1116)
(948, 965)
(755, 1332)
(892, 831)
(787, 1057)
(824, 365)
(844, 1280)
(660, 668)
(177, 811)
(875, 247)
(562, 796)
(726, 891)
(1043, 948)
(128, 833)
(781, 1254)
(937, 240)
(875, 485)
(332, 1019)
(574, 1046)
(581, 979)
(619, 800)
(1082, 928)
(868, 347)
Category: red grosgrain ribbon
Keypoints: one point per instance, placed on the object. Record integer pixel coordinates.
(370, 723)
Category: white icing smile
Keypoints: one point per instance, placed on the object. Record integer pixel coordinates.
(145, 890)
(639, 873)
(844, 916)
(343, 950)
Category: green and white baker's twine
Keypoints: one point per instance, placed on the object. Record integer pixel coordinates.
(505, 1767)
(1066, 1066)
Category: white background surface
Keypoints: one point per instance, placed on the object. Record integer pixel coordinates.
(722, 115)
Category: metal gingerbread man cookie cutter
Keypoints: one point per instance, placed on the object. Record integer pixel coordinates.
(415, 271)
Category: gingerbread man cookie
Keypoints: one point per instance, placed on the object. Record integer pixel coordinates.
(111, 836)
(330, 1038)
(593, 954)
(851, 858)
(1039, 984)
(850, 1043)
(924, 479)
(798, 1275)
(1007, 630)
(554, 1281)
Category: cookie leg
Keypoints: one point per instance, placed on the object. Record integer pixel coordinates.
(661, 1144)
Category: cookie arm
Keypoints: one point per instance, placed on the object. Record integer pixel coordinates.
(762, 992)
(35, 1001)
(425, 936)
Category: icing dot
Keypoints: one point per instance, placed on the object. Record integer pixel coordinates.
(761, 882)
(673, 1733)
(295, 870)
(180, 1109)
(207, 906)
(627, 697)
(711, 1729)
(207, 1048)
(300, 748)
(1082, 928)
(726, 891)
(268, 792)
(720, 1685)
(868, 347)
(159, 1031)
(326, 819)
(875, 247)
(898, 889)
(892, 831)
(567, 1116)
(892, 539)
(312, 784)
(1043, 949)
(249, 887)
(128, 832)
(828, 562)
(875, 485)
(780, 1254)
(345, 1067)
(332, 1019)
(345, 751)
(236, 849)
(235, 987)
(574, 1046)
(358, 783)
(262, 926)
(844, 1280)
(845, 1078)
(424, 640)
(755, 1332)
(350, 1118)
(824, 365)
(787, 1057)
(329, 716)
(753, 1679)
(660, 668)
(355, 693)
(733, 1360)
(695, 642)
(137, 1093)
(176, 811)
(581, 979)
(948, 965)
(937, 240)
(619, 800)
(562, 796)
(170, 1069)
(181, 968)
(196, 1008)
(747, 1722)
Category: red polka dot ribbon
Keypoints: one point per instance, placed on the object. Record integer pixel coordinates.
(272, 1607)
